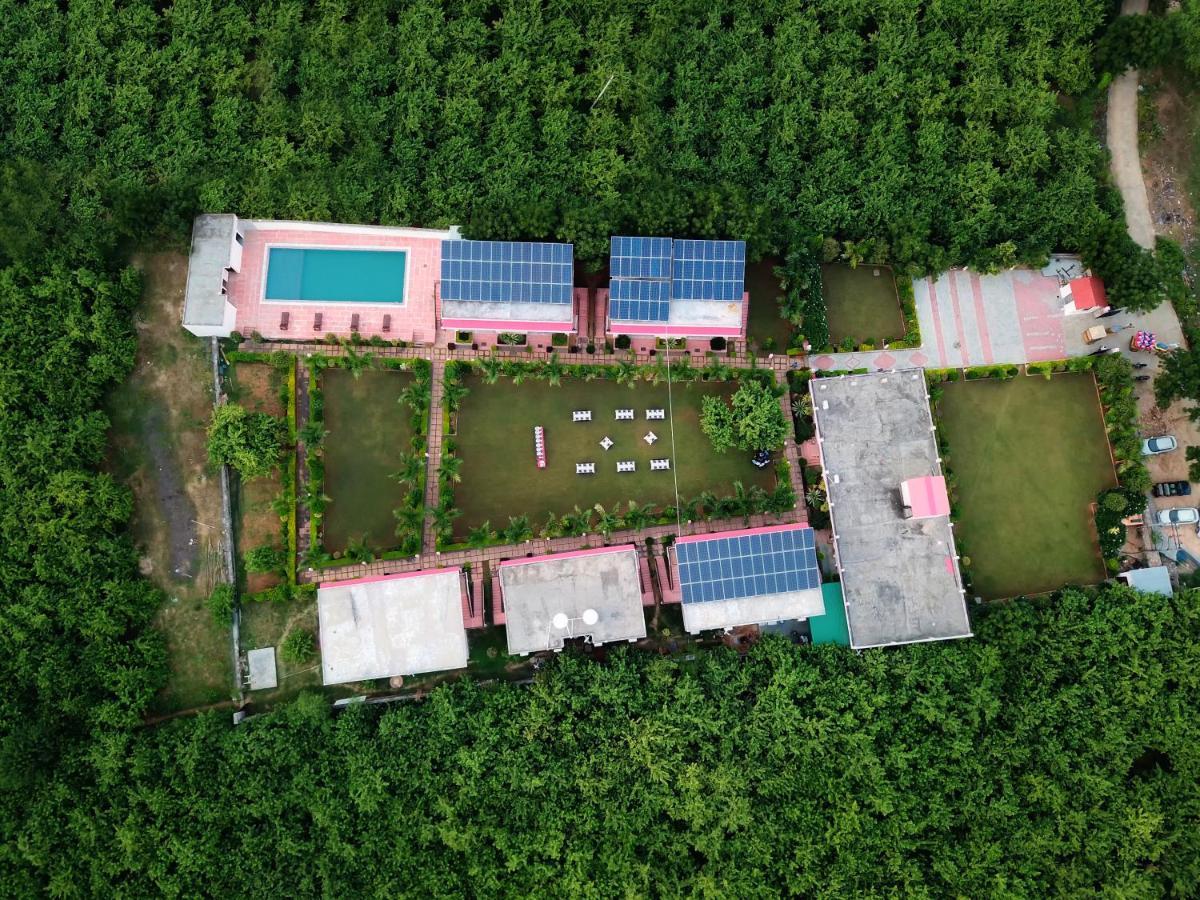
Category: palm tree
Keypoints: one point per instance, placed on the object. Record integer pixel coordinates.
(409, 520)
(490, 369)
(314, 556)
(415, 396)
(518, 530)
(449, 470)
(552, 528)
(411, 468)
(480, 535)
(443, 518)
(358, 551)
(312, 499)
(627, 373)
(553, 371)
(709, 502)
(636, 517)
(312, 433)
(607, 522)
(577, 522)
(355, 362)
(688, 509)
(453, 393)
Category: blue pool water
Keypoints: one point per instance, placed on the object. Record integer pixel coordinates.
(336, 276)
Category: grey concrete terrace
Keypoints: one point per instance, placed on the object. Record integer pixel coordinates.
(536, 590)
(899, 575)
(501, 313)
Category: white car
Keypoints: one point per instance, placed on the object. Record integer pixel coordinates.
(1156, 445)
(1182, 515)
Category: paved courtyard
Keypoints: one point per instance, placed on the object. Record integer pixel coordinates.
(969, 319)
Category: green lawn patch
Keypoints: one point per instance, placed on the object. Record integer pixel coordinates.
(500, 477)
(861, 303)
(1028, 457)
(368, 429)
(766, 328)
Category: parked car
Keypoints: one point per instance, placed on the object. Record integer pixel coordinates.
(1156, 445)
(1172, 489)
(1183, 515)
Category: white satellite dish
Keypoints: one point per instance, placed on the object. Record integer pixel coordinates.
(560, 621)
(590, 617)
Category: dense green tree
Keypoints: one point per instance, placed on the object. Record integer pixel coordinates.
(717, 421)
(249, 442)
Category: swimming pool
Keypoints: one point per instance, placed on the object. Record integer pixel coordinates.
(313, 274)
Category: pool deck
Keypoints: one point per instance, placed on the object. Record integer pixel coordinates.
(412, 320)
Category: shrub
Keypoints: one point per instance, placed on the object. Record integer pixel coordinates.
(623, 342)
(265, 559)
(220, 603)
(717, 344)
(558, 339)
(249, 442)
(299, 646)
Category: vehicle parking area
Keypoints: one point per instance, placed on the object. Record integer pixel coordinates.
(1171, 466)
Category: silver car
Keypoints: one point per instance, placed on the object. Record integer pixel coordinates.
(1182, 515)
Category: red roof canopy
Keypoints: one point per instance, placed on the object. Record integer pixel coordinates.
(1088, 293)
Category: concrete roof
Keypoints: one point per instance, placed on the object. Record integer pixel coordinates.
(705, 313)
(391, 625)
(212, 237)
(261, 663)
(1154, 580)
(536, 589)
(502, 313)
(899, 576)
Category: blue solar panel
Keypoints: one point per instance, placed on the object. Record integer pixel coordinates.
(639, 301)
(708, 270)
(775, 562)
(640, 257)
(507, 272)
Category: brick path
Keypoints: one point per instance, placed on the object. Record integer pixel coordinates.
(433, 452)
(430, 557)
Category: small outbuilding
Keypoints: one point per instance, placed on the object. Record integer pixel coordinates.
(1152, 580)
(594, 594)
(392, 625)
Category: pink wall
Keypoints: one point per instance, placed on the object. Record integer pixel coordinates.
(412, 320)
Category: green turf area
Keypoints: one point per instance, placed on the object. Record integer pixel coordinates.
(861, 305)
(500, 477)
(1028, 457)
(368, 429)
(767, 330)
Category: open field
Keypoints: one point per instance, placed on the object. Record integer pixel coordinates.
(500, 477)
(861, 303)
(368, 429)
(1028, 458)
(766, 329)
(260, 388)
(157, 447)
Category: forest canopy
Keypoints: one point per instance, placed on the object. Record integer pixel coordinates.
(1053, 753)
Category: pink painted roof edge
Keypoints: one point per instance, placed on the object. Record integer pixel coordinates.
(370, 578)
(741, 532)
(594, 551)
(502, 325)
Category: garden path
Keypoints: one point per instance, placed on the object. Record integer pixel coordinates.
(433, 451)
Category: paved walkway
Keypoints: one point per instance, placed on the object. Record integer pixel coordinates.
(433, 452)
(303, 518)
(1123, 145)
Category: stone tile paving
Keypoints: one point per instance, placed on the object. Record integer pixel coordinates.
(433, 450)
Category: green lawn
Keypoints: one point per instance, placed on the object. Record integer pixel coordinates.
(500, 477)
(862, 303)
(1028, 457)
(368, 429)
(767, 330)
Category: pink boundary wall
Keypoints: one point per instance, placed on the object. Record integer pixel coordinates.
(594, 551)
(414, 319)
(373, 578)
(741, 532)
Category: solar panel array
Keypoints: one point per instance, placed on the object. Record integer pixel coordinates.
(640, 257)
(708, 270)
(640, 301)
(678, 270)
(507, 272)
(752, 565)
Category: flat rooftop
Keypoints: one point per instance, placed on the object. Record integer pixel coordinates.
(539, 589)
(899, 575)
(752, 576)
(203, 302)
(391, 625)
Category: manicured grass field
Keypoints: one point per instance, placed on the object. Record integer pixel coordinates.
(767, 330)
(861, 304)
(368, 430)
(500, 477)
(1028, 457)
